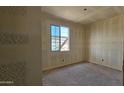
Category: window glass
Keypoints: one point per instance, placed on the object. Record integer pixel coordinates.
(59, 38)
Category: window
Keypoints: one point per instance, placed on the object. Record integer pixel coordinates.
(59, 38)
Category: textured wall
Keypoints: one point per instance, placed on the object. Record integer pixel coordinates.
(77, 38)
(12, 73)
(20, 45)
(105, 41)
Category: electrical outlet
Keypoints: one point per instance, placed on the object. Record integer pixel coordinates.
(102, 59)
(63, 60)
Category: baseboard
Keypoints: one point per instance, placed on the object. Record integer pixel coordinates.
(113, 67)
(65, 65)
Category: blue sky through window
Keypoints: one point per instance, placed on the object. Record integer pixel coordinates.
(55, 30)
(64, 31)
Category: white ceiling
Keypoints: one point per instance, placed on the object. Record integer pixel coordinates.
(77, 13)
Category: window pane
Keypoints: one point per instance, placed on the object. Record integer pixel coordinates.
(64, 31)
(55, 30)
(55, 46)
(55, 38)
(64, 39)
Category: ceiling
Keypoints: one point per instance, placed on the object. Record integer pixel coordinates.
(84, 14)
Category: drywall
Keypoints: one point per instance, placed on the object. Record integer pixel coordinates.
(105, 41)
(20, 45)
(77, 48)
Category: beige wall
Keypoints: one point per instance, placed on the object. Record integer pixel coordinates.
(105, 41)
(77, 37)
(93, 42)
(20, 45)
(25, 42)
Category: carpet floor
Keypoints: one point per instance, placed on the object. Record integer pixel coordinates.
(83, 74)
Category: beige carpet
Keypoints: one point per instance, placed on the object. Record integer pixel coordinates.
(83, 74)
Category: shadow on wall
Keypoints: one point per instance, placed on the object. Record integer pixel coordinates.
(20, 42)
